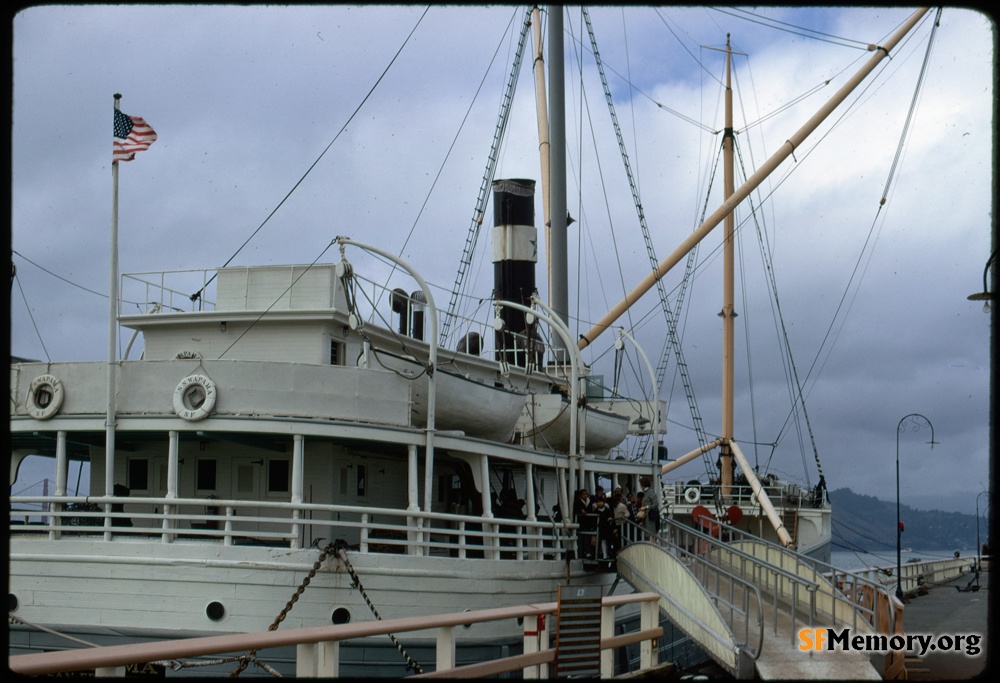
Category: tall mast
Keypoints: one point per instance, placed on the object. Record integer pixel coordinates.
(559, 272)
(543, 137)
(728, 313)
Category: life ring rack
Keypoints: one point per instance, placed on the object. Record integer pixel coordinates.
(692, 495)
(195, 397)
(45, 396)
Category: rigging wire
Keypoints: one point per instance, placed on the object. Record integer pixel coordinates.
(59, 277)
(32, 318)
(478, 218)
(862, 262)
(197, 295)
(792, 28)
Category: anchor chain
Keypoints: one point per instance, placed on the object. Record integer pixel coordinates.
(341, 548)
(252, 654)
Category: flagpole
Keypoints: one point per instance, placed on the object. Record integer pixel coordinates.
(109, 472)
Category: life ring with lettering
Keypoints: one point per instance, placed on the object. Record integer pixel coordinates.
(195, 397)
(692, 495)
(45, 397)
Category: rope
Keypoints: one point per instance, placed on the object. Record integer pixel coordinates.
(341, 549)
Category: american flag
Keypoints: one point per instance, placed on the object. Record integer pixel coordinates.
(132, 134)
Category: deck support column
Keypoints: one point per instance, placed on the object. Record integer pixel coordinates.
(298, 467)
(529, 502)
(173, 469)
(415, 538)
(489, 543)
(62, 474)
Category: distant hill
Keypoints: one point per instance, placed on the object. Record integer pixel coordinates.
(867, 523)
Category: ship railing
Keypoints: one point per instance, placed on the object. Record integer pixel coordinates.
(295, 525)
(782, 495)
(839, 594)
(170, 290)
(318, 648)
(478, 336)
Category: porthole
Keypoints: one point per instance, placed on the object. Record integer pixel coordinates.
(215, 611)
(11, 602)
(341, 615)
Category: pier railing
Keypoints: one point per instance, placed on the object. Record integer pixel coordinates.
(318, 648)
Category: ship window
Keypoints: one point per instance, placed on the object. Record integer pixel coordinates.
(362, 481)
(277, 476)
(206, 474)
(138, 474)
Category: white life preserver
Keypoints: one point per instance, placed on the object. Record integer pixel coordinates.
(692, 495)
(45, 397)
(194, 397)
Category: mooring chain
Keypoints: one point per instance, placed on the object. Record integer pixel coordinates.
(341, 551)
(245, 660)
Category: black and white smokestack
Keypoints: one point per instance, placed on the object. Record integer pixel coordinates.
(515, 252)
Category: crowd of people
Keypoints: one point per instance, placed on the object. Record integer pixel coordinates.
(602, 518)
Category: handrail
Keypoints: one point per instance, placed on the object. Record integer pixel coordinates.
(823, 573)
(320, 636)
(636, 532)
(521, 538)
(696, 544)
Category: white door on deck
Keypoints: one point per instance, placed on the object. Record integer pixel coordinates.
(258, 479)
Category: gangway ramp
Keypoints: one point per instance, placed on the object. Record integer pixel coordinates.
(653, 568)
(744, 601)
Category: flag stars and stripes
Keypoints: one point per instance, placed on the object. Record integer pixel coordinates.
(132, 134)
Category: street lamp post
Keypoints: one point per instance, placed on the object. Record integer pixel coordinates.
(979, 545)
(903, 424)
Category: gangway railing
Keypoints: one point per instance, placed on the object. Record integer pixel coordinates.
(792, 583)
(735, 598)
(843, 596)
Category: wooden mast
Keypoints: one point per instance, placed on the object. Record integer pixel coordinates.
(728, 313)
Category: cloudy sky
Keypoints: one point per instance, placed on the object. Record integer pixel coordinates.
(245, 99)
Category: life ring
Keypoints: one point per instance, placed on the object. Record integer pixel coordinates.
(692, 495)
(194, 397)
(45, 397)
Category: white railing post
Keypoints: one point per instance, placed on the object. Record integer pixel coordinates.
(533, 626)
(649, 614)
(607, 631)
(328, 659)
(305, 660)
(318, 660)
(109, 672)
(445, 648)
(543, 642)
